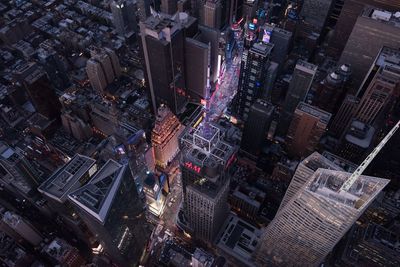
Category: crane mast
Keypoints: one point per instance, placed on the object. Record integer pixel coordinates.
(360, 169)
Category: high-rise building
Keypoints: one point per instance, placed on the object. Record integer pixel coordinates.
(19, 228)
(75, 126)
(344, 115)
(372, 244)
(65, 180)
(372, 23)
(164, 137)
(307, 127)
(357, 141)
(381, 87)
(299, 85)
(54, 68)
(206, 161)
(102, 68)
(253, 74)
(307, 228)
(196, 54)
(281, 39)
(305, 169)
(169, 6)
(143, 9)
(17, 174)
(212, 14)
(249, 9)
(111, 208)
(163, 42)
(124, 16)
(315, 13)
(43, 96)
(329, 92)
(347, 18)
(256, 127)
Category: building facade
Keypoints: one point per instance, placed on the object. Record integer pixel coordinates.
(256, 127)
(205, 164)
(252, 79)
(111, 208)
(299, 85)
(164, 136)
(306, 129)
(316, 218)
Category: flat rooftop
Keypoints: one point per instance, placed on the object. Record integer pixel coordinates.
(239, 239)
(327, 183)
(323, 116)
(304, 65)
(360, 134)
(382, 16)
(316, 161)
(68, 178)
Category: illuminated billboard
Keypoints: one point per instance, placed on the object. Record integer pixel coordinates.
(266, 36)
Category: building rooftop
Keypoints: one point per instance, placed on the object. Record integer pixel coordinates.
(323, 116)
(360, 134)
(68, 178)
(316, 161)
(306, 66)
(380, 235)
(263, 49)
(382, 15)
(238, 239)
(97, 195)
(341, 162)
(327, 183)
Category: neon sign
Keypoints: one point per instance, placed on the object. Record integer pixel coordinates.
(193, 167)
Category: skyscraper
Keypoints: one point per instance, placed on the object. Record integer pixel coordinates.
(253, 74)
(212, 14)
(206, 161)
(256, 127)
(374, 28)
(330, 92)
(307, 228)
(307, 127)
(124, 16)
(281, 39)
(65, 180)
(304, 171)
(143, 9)
(43, 96)
(163, 41)
(381, 87)
(164, 137)
(54, 68)
(357, 141)
(102, 68)
(110, 206)
(169, 6)
(344, 115)
(196, 55)
(299, 85)
(315, 13)
(16, 172)
(347, 18)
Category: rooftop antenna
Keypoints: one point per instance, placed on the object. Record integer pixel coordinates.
(206, 124)
(360, 169)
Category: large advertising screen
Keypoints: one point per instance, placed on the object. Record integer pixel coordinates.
(266, 36)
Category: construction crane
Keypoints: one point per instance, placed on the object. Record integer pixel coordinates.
(360, 169)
